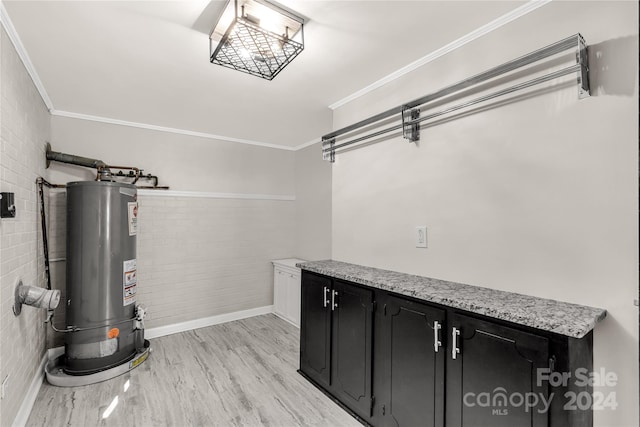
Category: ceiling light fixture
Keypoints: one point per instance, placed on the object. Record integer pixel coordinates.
(256, 37)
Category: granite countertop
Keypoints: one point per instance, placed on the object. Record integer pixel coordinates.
(548, 315)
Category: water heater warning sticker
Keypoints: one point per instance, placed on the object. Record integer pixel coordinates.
(129, 281)
(132, 207)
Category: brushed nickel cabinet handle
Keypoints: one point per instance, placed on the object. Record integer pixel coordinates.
(436, 336)
(455, 333)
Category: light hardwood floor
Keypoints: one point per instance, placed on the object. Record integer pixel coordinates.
(241, 373)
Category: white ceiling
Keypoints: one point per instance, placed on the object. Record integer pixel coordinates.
(148, 61)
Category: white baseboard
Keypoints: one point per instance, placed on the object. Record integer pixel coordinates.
(286, 320)
(206, 321)
(52, 353)
(203, 322)
(32, 393)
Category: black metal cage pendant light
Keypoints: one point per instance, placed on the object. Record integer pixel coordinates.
(256, 37)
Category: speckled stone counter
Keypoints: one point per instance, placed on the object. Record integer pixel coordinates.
(549, 315)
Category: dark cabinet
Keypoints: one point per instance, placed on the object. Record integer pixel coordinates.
(492, 375)
(412, 358)
(336, 340)
(394, 361)
(352, 346)
(315, 328)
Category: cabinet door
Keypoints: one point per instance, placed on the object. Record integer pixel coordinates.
(413, 357)
(493, 376)
(279, 292)
(293, 309)
(315, 328)
(352, 346)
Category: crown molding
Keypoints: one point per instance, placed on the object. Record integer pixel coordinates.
(307, 144)
(147, 126)
(31, 70)
(456, 44)
(24, 56)
(479, 32)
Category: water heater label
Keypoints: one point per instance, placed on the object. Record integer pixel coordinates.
(132, 207)
(130, 281)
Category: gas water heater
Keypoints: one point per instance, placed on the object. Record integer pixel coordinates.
(101, 276)
(104, 334)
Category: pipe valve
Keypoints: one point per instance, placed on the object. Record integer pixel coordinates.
(141, 313)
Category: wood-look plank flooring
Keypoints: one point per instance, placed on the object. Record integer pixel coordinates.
(241, 373)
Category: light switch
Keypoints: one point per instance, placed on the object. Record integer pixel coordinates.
(421, 236)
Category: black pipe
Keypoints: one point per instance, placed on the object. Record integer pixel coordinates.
(75, 160)
(43, 221)
(152, 178)
(104, 170)
(72, 159)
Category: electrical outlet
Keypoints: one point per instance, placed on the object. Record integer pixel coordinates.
(421, 236)
(5, 385)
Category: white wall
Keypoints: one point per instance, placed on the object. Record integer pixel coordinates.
(197, 256)
(538, 196)
(25, 126)
(313, 204)
(183, 162)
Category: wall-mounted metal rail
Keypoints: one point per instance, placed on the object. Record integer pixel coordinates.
(409, 112)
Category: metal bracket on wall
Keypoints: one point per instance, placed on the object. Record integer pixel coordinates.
(328, 151)
(410, 127)
(582, 58)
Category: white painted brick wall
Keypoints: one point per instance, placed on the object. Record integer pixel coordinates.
(25, 126)
(197, 257)
(204, 257)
